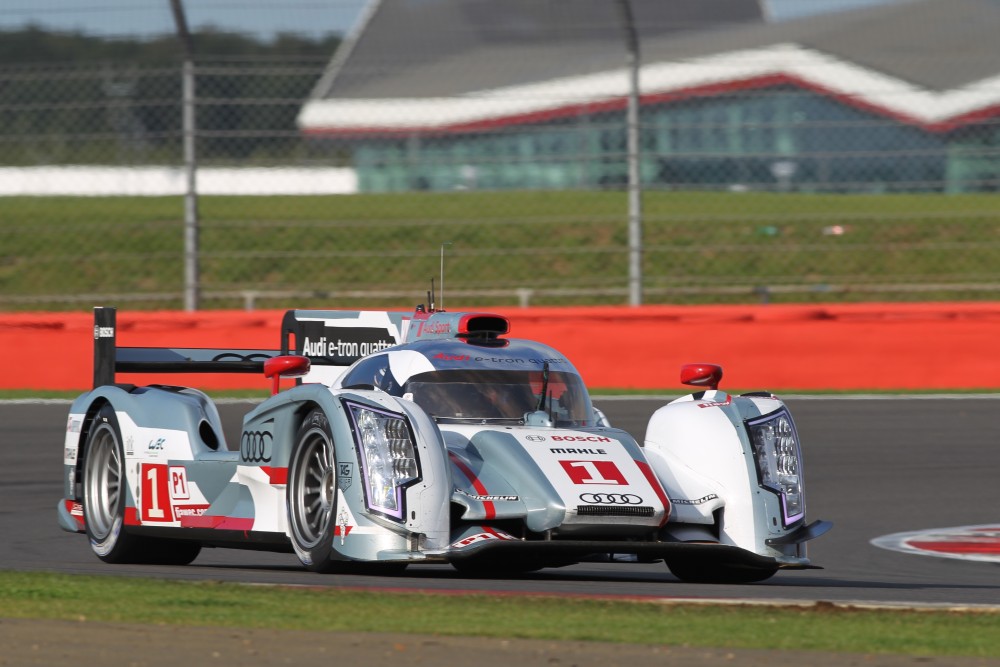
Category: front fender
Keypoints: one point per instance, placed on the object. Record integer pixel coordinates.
(363, 534)
(700, 448)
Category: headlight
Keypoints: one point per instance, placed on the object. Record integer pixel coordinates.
(778, 458)
(388, 457)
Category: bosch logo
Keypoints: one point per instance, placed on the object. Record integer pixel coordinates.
(535, 438)
(255, 446)
(611, 499)
(580, 438)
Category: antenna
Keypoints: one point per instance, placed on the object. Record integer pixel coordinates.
(430, 296)
(442, 272)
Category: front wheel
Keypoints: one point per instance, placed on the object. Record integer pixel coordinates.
(312, 493)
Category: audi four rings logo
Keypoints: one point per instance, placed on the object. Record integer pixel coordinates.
(255, 446)
(611, 498)
(535, 438)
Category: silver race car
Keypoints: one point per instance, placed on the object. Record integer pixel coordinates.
(428, 437)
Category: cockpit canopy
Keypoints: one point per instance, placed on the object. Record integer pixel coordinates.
(504, 388)
(495, 396)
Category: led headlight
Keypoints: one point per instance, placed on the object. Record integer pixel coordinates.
(778, 458)
(388, 457)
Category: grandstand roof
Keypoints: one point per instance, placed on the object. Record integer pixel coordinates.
(457, 65)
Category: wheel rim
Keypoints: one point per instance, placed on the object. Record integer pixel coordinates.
(103, 482)
(312, 488)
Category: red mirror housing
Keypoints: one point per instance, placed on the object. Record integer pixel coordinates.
(289, 366)
(701, 375)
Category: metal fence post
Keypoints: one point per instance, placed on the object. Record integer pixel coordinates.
(191, 278)
(634, 175)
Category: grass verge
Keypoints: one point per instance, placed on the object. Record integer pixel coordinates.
(379, 250)
(820, 628)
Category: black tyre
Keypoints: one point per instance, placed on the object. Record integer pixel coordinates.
(104, 493)
(695, 572)
(312, 493)
(312, 502)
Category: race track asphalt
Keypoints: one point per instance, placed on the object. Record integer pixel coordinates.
(873, 466)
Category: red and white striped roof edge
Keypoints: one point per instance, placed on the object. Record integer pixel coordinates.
(852, 84)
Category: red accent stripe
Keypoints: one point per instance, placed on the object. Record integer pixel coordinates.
(132, 517)
(488, 506)
(655, 483)
(490, 531)
(277, 475)
(216, 522)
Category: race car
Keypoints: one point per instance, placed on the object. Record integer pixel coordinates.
(428, 437)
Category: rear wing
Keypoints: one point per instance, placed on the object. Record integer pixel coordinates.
(109, 359)
(332, 340)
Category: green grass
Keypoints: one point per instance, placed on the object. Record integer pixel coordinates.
(699, 247)
(820, 628)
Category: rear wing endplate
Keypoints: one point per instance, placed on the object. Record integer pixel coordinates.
(109, 359)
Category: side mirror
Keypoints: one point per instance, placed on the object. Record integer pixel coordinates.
(701, 375)
(289, 366)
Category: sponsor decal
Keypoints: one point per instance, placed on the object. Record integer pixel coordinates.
(178, 483)
(319, 340)
(255, 446)
(342, 348)
(594, 472)
(154, 493)
(69, 455)
(436, 328)
(580, 438)
(129, 445)
(74, 423)
(103, 332)
(488, 535)
(486, 497)
(716, 404)
(345, 474)
(155, 446)
(696, 501)
(611, 498)
(535, 438)
(978, 543)
(441, 356)
(569, 450)
(182, 511)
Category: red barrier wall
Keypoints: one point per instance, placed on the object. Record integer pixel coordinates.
(940, 346)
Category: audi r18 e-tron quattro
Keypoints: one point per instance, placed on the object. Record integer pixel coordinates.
(428, 437)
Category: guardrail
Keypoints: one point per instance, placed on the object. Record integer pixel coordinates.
(849, 347)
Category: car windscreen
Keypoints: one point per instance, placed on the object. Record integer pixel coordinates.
(503, 396)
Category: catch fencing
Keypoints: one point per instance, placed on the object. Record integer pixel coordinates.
(777, 192)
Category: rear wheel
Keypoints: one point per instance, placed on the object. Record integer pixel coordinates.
(104, 492)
